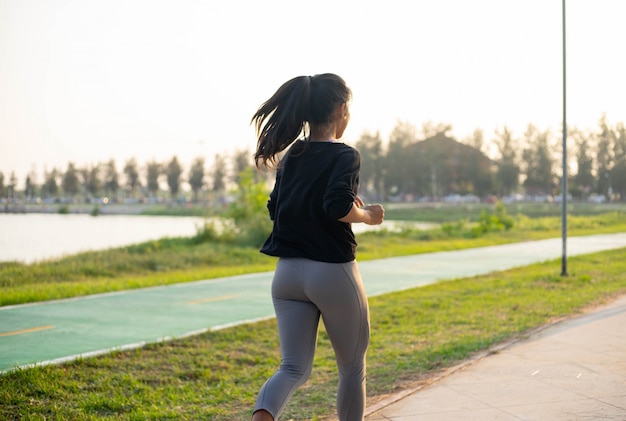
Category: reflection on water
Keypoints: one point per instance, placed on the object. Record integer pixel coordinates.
(33, 237)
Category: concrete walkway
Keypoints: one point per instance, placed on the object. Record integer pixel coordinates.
(62, 330)
(572, 370)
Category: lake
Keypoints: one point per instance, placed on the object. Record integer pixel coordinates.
(30, 237)
(35, 236)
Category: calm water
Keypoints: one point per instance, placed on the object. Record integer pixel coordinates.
(32, 237)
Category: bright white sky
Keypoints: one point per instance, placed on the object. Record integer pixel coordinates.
(86, 81)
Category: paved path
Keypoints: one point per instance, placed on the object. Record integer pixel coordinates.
(59, 330)
(573, 370)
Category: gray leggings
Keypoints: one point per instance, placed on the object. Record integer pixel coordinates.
(303, 289)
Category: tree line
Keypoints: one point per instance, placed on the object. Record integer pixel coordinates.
(431, 165)
(410, 165)
(135, 181)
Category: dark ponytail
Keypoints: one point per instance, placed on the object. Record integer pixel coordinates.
(301, 100)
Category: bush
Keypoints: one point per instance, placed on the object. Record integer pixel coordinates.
(208, 232)
(249, 211)
(498, 220)
(454, 229)
(246, 221)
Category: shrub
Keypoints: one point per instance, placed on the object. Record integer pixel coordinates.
(249, 211)
(246, 221)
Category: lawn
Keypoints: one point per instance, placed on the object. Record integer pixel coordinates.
(415, 334)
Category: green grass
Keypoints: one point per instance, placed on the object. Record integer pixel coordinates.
(160, 262)
(165, 210)
(216, 375)
(442, 212)
(174, 260)
(415, 334)
(381, 244)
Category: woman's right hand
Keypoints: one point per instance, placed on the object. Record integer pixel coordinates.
(376, 214)
(368, 214)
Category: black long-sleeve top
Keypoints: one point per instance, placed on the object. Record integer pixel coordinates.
(316, 184)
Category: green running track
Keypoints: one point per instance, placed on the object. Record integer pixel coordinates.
(62, 330)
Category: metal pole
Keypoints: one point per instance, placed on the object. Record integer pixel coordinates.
(564, 176)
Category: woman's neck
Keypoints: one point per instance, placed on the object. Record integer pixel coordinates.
(323, 134)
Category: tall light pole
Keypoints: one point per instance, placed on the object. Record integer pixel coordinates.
(564, 177)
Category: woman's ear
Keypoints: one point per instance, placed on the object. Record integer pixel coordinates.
(342, 111)
(346, 111)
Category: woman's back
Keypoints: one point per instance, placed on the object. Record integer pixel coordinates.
(316, 185)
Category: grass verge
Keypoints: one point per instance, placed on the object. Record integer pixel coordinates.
(174, 260)
(415, 333)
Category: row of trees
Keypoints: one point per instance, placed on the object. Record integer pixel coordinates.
(408, 166)
(135, 181)
(435, 165)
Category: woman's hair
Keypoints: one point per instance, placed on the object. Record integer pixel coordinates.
(300, 101)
